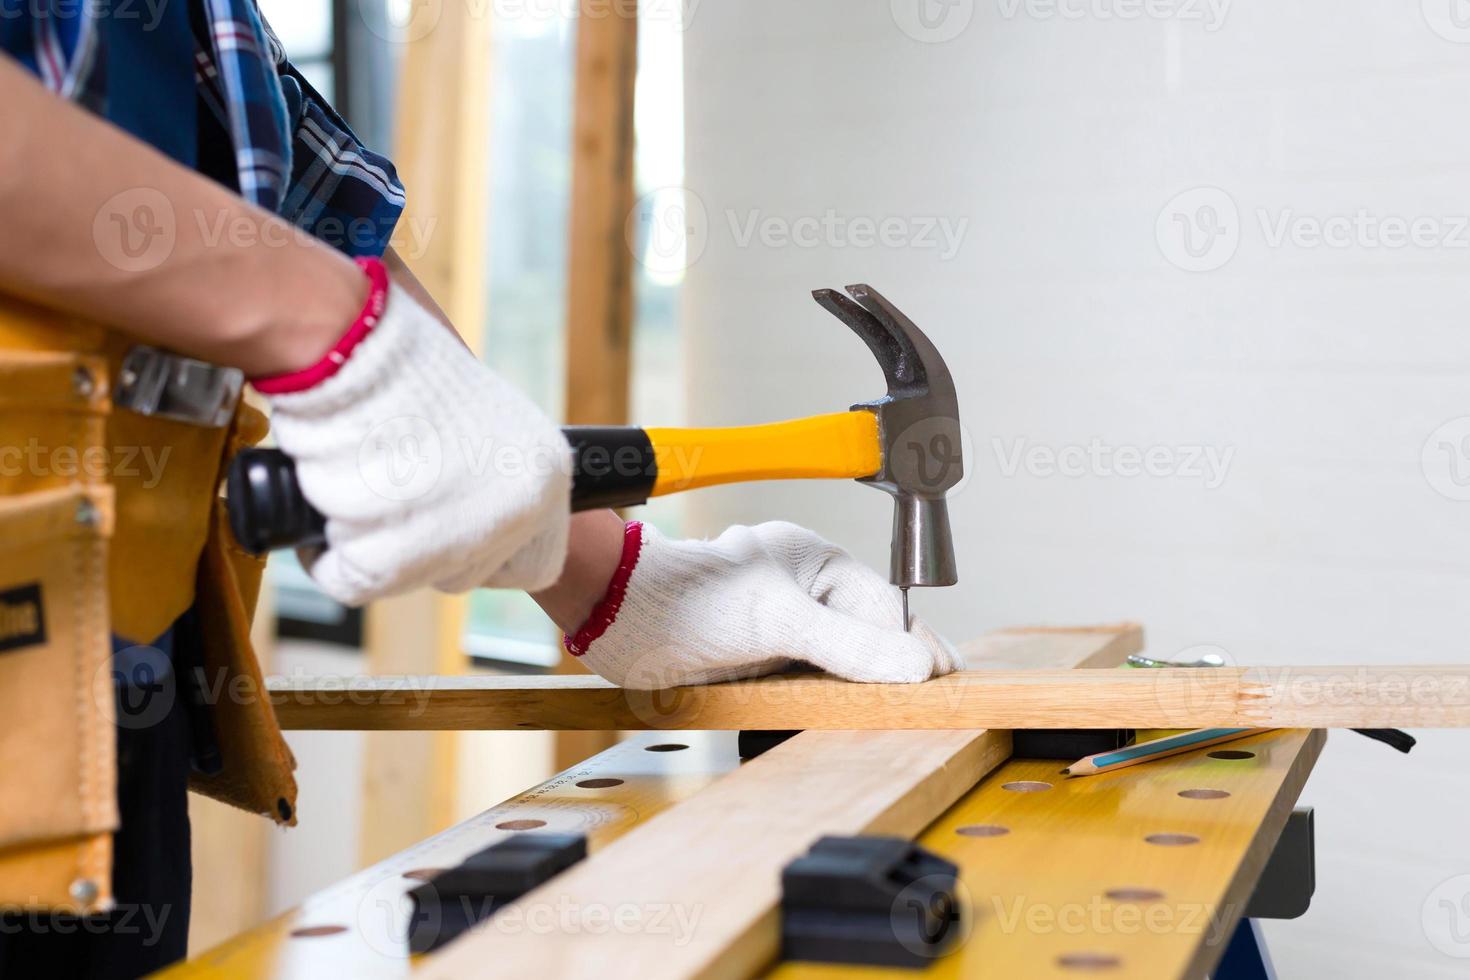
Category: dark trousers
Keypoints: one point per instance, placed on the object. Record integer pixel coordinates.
(149, 928)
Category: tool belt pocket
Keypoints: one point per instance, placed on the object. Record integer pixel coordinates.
(57, 742)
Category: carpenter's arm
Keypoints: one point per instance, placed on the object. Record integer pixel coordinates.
(99, 224)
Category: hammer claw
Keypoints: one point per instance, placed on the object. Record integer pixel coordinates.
(884, 344)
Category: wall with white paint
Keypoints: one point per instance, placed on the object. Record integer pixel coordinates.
(1202, 272)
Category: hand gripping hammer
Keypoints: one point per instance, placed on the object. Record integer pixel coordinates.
(906, 443)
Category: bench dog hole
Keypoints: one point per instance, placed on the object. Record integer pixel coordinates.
(312, 932)
(982, 830)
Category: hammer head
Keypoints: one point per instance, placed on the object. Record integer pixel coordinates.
(919, 427)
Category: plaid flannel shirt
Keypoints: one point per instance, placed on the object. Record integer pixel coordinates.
(292, 154)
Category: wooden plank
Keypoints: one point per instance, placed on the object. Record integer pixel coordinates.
(357, 927)
(708, 872)
(1238, 697)
(599, 333)
(1039, 893)
(644, 784)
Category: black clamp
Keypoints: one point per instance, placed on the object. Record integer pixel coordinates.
(1286, 884)
(452, 901)
(753, 742)
(882, 901)
(1070, 744)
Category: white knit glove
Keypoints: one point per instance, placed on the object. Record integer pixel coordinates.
(750, 602)
(430, 469)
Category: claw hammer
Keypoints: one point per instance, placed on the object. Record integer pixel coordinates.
(906, 443)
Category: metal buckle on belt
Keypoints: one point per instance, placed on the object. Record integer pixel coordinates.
(170, 386)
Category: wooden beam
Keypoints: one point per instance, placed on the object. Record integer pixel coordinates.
(599, 334)
(1244, 697)
(710, 869)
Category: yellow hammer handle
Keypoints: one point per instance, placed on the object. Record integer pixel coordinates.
(843, 444)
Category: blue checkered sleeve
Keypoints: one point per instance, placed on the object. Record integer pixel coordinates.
(340, 191)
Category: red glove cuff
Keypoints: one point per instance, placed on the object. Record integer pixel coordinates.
(606, 610)
(332, 360)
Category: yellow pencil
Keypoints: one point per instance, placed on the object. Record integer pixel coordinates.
(1132, 755)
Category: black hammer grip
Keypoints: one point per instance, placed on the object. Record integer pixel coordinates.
(612, 466)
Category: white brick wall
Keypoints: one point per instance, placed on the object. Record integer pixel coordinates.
(1323, 370)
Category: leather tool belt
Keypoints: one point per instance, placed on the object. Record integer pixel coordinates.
(111, 455)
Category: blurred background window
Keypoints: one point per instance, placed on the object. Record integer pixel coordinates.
(346, 49)
(525, 339)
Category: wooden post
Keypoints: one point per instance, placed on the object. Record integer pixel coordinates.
(600, 263)
(442, 155)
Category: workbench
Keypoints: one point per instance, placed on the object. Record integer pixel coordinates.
(1144, 872)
